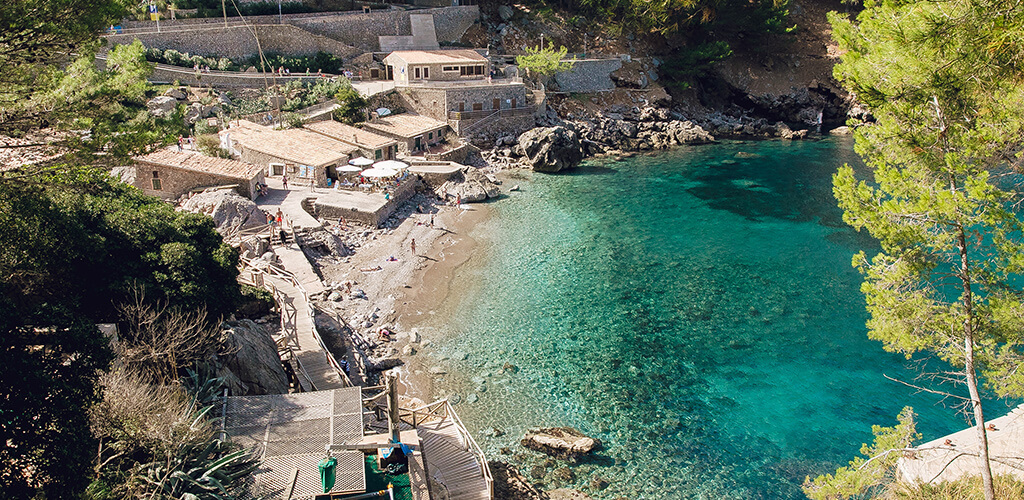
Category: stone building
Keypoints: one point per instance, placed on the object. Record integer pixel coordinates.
(169, 174)
(304, 156)
(419, 66)
(370, 145)
(413, 132)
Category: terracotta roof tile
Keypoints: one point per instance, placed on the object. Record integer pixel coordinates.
(462, 56)
(349, 134)
(405, 125)
(296, 145)
(198, 162)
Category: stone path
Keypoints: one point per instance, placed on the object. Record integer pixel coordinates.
(289, 201)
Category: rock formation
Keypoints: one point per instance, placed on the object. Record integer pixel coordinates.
(510, 484)
(564, 443)
(472, 186)
(251, 365)
(230, 211)
(550, 149)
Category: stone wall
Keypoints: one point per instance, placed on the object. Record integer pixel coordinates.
(163, 73)
(237, 42)
(176, 182)
(426, 101)
(373, 219)
(485, 132)
(353, 28)
(588, 75)
(362, 30)
(485, 94)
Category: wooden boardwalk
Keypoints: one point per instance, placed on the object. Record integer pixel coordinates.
(315, 373)
(451, 463)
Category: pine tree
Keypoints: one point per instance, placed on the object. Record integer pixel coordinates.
(941, 79)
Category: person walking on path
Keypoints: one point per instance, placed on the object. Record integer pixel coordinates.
(284, 181)
(413, 246)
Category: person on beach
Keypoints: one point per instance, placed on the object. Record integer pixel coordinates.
(431, 220)
(370, 269)
(280, 217)
(284, 181)
(413, 246)
(458, 199)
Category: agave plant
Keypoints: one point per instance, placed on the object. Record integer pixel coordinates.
(197, 471)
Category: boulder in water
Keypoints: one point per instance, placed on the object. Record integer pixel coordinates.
(564, 443)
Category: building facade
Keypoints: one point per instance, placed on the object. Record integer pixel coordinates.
(370, 145)
(169, 174)
(412, 132)
(301, 155)
(420, 66)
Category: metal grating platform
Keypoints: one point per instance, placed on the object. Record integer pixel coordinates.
(289, 432)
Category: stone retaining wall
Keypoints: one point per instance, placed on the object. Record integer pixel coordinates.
(237, 42)
(588, 75)
(372, 219)
(353, 28)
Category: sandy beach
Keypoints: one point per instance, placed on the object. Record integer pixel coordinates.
(410, 290)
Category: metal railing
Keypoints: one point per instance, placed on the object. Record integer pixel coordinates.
(486, 113)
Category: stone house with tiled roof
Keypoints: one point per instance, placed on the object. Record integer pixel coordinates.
(373, 146)
(303, 155)
(409, 66)
(413, 132)
(168, 174)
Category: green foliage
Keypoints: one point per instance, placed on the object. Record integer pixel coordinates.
(209, 144)
(688, 63)
(172, 434)
(681, 17)
(965, 488)
(545, 61)
(213, 8)
(82, 238)
(51, 357)
(37, 36)
(351, 105)
(321, 61)
(867, 474)
(175, 58)
(942, 80)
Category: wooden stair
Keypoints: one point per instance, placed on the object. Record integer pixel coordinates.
(450, 463)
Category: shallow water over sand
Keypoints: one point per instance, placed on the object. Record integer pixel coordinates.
(695, 310)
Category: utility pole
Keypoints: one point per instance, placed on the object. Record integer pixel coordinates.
(224, 8)
(280, 17)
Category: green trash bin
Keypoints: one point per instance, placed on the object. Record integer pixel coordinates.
(327, 473)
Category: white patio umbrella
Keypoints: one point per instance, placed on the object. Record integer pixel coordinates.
(360, 161)
(349, 168)
(391, 164)
(379, 172)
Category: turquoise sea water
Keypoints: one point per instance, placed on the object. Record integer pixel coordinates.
(695, 310)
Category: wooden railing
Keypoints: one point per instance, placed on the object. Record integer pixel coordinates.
(282, 273)
(440, 410)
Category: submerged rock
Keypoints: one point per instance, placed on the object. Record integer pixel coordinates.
(565, 443)
(510, 484)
